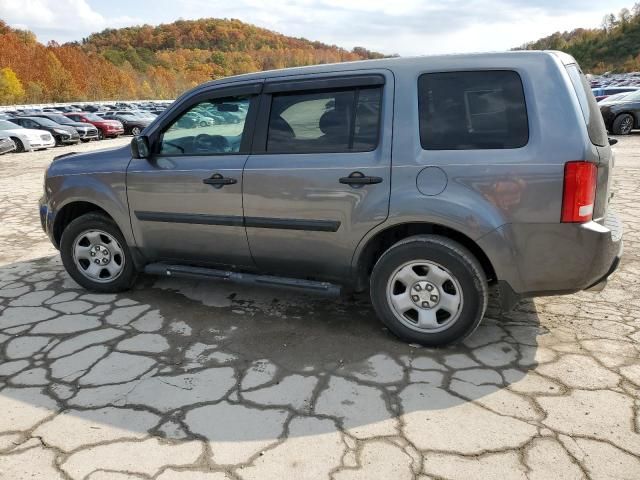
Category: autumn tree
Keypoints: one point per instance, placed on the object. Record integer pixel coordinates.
(153, 61)
(11, 90)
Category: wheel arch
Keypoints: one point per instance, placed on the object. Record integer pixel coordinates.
(366, 256)
(69, 212)
(18, 141)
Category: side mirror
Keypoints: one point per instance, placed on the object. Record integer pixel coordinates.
(140, 147)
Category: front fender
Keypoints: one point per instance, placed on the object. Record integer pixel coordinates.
(105, 190)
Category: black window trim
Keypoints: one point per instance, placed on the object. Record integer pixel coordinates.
(526, 110)
(324, 83)
(308, 86)
(252, 89)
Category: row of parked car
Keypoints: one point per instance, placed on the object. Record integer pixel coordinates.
(37, 129)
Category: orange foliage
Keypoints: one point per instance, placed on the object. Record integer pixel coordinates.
(154, 62)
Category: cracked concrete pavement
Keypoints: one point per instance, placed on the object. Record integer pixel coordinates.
(181, 379)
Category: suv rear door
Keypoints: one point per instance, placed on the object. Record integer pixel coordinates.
(318, 178)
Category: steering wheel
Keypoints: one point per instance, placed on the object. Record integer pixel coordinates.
(211, 143)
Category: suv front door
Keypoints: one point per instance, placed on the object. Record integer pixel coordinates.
(185, 201)
(304, 215)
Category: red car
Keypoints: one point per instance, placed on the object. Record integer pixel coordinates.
(106, 128)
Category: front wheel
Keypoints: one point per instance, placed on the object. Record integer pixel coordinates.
(623, 124)
(96, 255)
(100, 135)
(19, 144)
(135, 131)
(429, 290)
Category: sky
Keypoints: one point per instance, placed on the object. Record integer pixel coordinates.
(405, 27)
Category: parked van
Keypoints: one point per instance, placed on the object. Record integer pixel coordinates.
(424, 180)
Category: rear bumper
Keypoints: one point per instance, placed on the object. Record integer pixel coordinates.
(554, 259)
(602, 282)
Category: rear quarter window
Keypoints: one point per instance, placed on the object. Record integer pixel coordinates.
(589, 106)
(472, 110)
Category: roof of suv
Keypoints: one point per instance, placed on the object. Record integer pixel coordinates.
(395, 63)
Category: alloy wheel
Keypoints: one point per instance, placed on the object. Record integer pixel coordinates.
(98, 256)
(424, 296)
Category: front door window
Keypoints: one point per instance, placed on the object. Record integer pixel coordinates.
(213, 127)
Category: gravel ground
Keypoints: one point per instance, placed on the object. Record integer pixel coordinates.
(182, 379)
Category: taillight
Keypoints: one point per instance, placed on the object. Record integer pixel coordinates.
(579, 192)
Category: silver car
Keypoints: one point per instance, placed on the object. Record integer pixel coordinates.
(426, 180)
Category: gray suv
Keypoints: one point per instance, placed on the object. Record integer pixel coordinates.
(425, 180)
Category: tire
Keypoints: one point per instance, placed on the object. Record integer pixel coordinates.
(85, 233)
(203, 123)
(623, 124)
(58, 141)
(100, 135)
(135, 131)
(19, 144)
(429, 290)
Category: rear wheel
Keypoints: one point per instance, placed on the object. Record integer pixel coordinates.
(623, 124)
(96, 255)
(19, 144)
(429, 290)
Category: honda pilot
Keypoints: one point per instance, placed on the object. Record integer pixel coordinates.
(426, 181)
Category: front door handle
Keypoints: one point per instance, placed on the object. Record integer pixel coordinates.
(359, 178)
(218, 181)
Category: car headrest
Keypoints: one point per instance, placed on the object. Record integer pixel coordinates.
(280, 130)
(333, 122)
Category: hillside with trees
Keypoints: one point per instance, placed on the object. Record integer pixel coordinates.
(149, 61)
(615, 46)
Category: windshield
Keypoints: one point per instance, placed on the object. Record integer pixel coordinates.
(93, 117)
(61, 119)
(4, 125)
(45, 122)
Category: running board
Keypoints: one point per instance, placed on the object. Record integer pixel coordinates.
(201, 273)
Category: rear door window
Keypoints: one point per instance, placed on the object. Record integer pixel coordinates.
(472, 110)
(589, 106)
(340, 120)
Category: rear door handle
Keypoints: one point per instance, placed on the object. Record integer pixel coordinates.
(359, 178)
(218, 181)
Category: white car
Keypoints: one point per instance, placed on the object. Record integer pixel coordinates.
(26, 139)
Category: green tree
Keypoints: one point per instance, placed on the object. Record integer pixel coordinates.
(11, 90)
